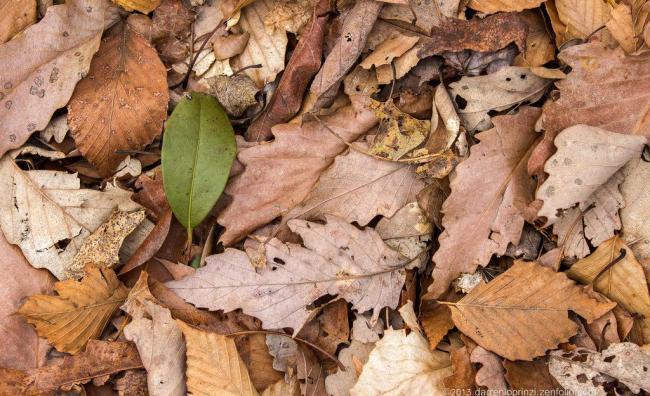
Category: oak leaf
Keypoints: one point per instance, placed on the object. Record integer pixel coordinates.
(338, 259)
(491, 374)
(492, 218)
(41, 67)
(79, 312)
(635, 216)
(122, 103)
(16, 16)
(531, 305)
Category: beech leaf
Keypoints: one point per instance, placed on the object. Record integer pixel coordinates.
(198, 151)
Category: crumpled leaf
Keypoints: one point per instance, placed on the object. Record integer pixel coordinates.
(144, 6)
(510, 86)
(41, 67)
(214, 366)
(346, 51)
(531, 304)
(590, 372)
(80, 311)
(16, 16)
(635, 216)
(279, 175)
(399, 133)
(236, 93)
(492, 6)
(614, 271)
(338, 259)
(388, 50)
(100, 359)
(491, 218)
(122, 103)
(158, 338)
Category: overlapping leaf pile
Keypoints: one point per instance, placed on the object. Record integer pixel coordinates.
(319, 197)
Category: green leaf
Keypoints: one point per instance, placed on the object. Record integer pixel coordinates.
(198, 150)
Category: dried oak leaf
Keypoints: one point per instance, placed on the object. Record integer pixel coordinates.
(590, 372)
(100, 359)
(596, 93)
(122, 103)
(531, 305)
(158, 338)
(338, 259)
(41, 67)
(635, 216)
(280, 174)
(16, 16)
(492, 6)
(614, 271)
(487, 196)
(214, 366)
(80, 311)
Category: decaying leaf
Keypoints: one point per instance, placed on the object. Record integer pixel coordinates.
(531, 304)
(436, 322)
(635, 216)
(590, 372)
(338, 259)
(492, 218)
(88, 304)
(214, 366)
(16, 16)
(236, 93)
(41, 67)
(122, 103)
(144, 6)
(399, 133)
(388, 50)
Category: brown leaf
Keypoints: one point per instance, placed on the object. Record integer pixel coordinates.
(491, 374)
(596, 93)
(580, 18)
(226, 47)
(492, 6)
(523, 375)
(310, 372)
(388, 50)
(122, 103)
(236, 94)
(491, 216)
(463, 372)
(635, 216)
(621, 26)
(302, 66)
(540, 48)
(41, 67)
(144, 6)
(280, 175)
(16, 16)
(79, 312)
(100, 359)
(151, 245)
(436, 322)
(152, 194)
(531, 304)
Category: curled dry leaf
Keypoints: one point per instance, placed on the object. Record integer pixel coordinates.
(531, 304)
(122, 103)
(338, 259)
(236, 93)
(590, 372)
(388, 50)
(487, 196)
(635, 216)
(214, 366)
(80, 311)
(16, 16)
(41, 67)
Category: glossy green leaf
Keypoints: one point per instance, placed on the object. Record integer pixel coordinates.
(198, 150)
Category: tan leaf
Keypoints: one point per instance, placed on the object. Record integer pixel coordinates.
(491, 374)
(436, 322)
(279, 175)
(340, 383)
(403, 64)
(424, 15)
(144, 6)
(531, 304)
(266, 45)
(580, 18)
(122, 103)
(16, 16)
(158, 338)
(214, 366)
(589, 372)
(235, 93)
(283, 388)
(41, 67)
(40, 209)
(290, 15)
(489, 216)
(398, 133)
(635, 216)
(57, 129)
(100, 359)
(79, 312)
(103, 245)
(498, 91)
(408, 232)
(338, 259)
(621, 26)
(614, 271)
(402, 364)
(526, 376)
(539, 45)
(22, 348)
(388, 50)
(492, 6)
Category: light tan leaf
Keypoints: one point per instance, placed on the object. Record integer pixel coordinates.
(422, 14)
(283, 388)
(388, 50)
(403, 65)
(266, 45)
(158, 338)
(403, 365)
(487, 196)
(635, 216)
(491, 374)
(580, 18)
(144, 6)
(588, 372)
(16, 16)
(79, 312)
(40, 209)
(57, 129)
(122, 103)
(614, 271)
(356, 355)
(539, 45)
(621, 26)
(290, 15)
(531, 304)
(279, 175)
(363, 331)
(41, 67)
(338, 259)
(409, 232)
(214, 366)
(498, 91)
(586, 159)
(492, 6)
